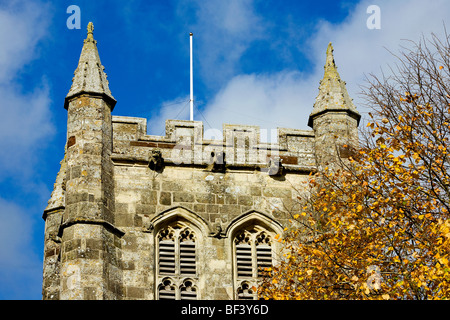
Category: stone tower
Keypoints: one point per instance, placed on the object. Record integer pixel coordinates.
(334, 118)
(137, 216)
(90, 270)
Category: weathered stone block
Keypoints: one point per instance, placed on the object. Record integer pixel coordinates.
(124, 220)
(72, 245)
(149, 197)
(255, 191)
(90, 293)
(75, 172)
(94, 244)
(129, 242)
(220, 199)
(230, 199)
(135, 292)
(121, 208)
(245, 200)
(165, 198)
(145, 209)
(205, 198)
(198, 207)
(212, 208)
(230, 209)
(277, 192)
(183, 197)
(91, 254)
(172, 186)
(128, 265)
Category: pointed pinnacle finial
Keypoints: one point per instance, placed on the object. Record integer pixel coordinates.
(330, 58)
(333, 94)
(90, 31)
(330, 65)
(90, 76)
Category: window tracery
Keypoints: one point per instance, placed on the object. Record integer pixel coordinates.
(245, 292)
(252, 256)
(177, 258)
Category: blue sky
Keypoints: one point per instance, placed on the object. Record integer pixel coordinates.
(255, 62)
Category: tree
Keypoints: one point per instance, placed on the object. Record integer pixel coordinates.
(378, 227)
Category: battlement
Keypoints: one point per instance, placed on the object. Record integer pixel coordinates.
(239, 147)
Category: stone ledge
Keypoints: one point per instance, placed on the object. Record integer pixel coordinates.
(290, 163)
(101, 222)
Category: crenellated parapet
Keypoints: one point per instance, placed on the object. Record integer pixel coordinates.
(240, 146)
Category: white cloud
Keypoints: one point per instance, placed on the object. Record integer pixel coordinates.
(174, 109)
(223, 31)
(25, 123)
(22, 25)
(286, 98)
(20, 266)
(25, 120)
(15, 236)
(25, 127)
(262, 99)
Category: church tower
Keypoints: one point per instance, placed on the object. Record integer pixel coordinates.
(88, 253)
(137, 216)
(334, 118)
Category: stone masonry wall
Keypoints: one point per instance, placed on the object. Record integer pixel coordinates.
(143, 195)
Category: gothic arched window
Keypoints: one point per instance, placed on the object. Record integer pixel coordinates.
(252, 255)
(176, 260)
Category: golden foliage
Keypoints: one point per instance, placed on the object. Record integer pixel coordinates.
(378, 227)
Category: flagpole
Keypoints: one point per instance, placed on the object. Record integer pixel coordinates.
(191, 100)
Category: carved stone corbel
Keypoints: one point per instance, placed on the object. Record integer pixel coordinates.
(156, 161)
(217, 162)
(147, 225)
(275, 167)
(218, 233)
